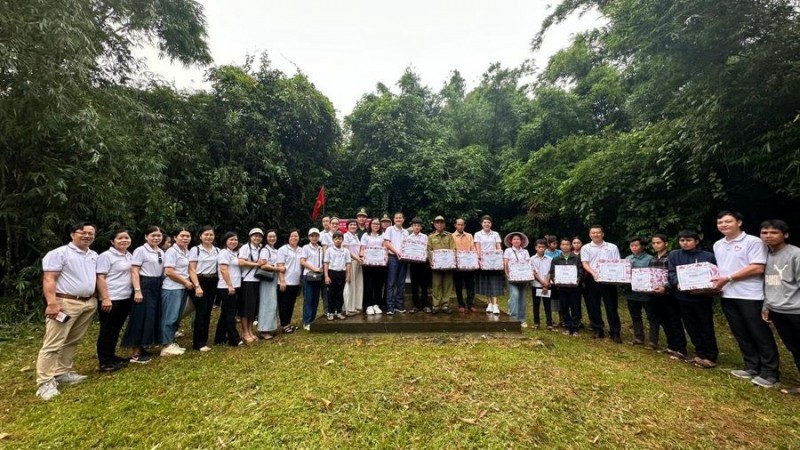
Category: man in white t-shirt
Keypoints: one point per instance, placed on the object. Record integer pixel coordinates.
(741, 259)
(591, 254)
(396, 270)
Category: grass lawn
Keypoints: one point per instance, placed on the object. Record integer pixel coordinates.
(542, 389)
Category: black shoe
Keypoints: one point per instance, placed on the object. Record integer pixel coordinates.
(599, 335)
(616, 339)
(120, 361)
(110, 367)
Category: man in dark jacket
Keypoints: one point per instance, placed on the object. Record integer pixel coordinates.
(569, 294)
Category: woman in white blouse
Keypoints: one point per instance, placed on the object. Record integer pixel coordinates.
(203, 272)
(116, 295)
(147, 271)
(268, 289)
(289, 272)
(230, 279)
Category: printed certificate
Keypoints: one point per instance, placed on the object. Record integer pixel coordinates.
(492, 260)
(520, 271)
(566, 275)
(375, 256)
(443, 259)
(696, 277)
(615, 271)
(467, 260)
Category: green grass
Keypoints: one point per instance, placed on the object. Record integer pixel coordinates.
(422, 391)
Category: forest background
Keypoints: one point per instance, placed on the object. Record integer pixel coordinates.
(668, 113)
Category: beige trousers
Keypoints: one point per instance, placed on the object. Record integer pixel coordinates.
(62, 339)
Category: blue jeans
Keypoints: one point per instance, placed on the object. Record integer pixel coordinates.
(516, 301)
(172, 303)
(311, 293)
(395, 283)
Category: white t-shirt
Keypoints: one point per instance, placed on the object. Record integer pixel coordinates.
(117, 269)
(326, 238)
(541, 267)
(312, 255)
(290, 258)
(149, 261)
(735, 255)
(230, 259)
(206, 259)
(369, 241)
(179, 260)
(77, 270)
(352, 243)
(593, 253)
(337, 258)
(249, 252)
(487, 241)
(395, 236)
(269, 254)
(520, 255)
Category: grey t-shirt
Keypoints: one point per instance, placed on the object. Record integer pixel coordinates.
(782, 281)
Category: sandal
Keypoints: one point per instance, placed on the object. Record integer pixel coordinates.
(266, 336)
(791, 391)
(288, 329)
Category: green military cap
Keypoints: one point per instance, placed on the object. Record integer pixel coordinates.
(362, 212)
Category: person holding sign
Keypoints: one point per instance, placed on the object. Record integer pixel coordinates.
(441, 280)
(665, 307)
(591, 254)
(464, 279)
(540, 286)
(490, 282)
(566, 272)
(393, 239)
(741, 259)
(696, 307)
(516, 260)
(641, 300)
(782, 288)
(415, 250)
(374, 256)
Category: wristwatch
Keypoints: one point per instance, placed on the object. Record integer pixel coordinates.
(730, 279)
(137, 290)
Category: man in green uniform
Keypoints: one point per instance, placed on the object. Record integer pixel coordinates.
(442, 280)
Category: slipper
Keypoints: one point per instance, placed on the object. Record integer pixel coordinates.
(265, 336)
(791, 391)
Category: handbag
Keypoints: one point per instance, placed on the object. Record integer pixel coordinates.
(264, 275)
(315, 277)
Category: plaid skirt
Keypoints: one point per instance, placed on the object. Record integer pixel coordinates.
(491, 283)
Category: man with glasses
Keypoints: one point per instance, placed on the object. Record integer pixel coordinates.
(69, 286)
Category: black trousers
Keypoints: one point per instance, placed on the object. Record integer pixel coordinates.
(668, 314)
(202, 315)
(336, 291)
(635, 308)
(286, 301)
(374, 281)
(548, 310)
(788, 328)
(110, 326)
(226, 325)
(461, 281)
(570, 304)
(420, 279)
(607, 294)
(698, 319)
(754, 336)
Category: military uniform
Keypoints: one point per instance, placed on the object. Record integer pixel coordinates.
(441, 280)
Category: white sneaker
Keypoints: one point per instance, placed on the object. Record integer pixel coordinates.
(171, 350)
(69, 378)
(205, 348)
(496, 309)
(178, 334)
(307, 327)
(489, 308)
(524, 325)
(255, 323)
(377, 310)
(48, 390)
(370, 311)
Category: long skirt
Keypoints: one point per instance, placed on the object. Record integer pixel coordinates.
(354, 291)
(268, 306)
(490, 282)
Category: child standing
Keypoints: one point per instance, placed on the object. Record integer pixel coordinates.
(337, 266)
(541, 274)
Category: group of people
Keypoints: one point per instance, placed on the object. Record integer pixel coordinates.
(256, 286)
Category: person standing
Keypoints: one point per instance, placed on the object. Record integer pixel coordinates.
(665, 306)
(741, 259)
(569, 294)
(490, 282)
(577, 245)
(361, 221)
(541, 264)
(336, 265)
(147, 273)
(289, 273)
(249, 261)
(313, 277)
(441, 280)
(203, 272)
(374, 276)
(696, 308)
(354, 290)
(116, 294)
(637, 301)
(419, 272)
(516, 253)
(174, 289)
(268, 289)
(230, 280)
(68, 284)
(396, 270)
(464, 280)
(782, 288)
(591, 254)
(386, 222)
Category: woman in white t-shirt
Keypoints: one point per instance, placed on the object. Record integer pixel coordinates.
(249, 261)
(230, 280)
(268, 289)
(374, 276)
(353, 291)
(147, 271)
(289, 272)
(116, 294)
(489, 282)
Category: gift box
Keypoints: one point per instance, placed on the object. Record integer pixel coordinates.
(520, 271)
(648, 279)
(492, 260)
(443, 259)
(467, 260)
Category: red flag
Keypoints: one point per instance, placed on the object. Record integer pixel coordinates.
(319, 203)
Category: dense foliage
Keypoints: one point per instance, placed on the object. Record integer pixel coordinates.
(669, 112)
